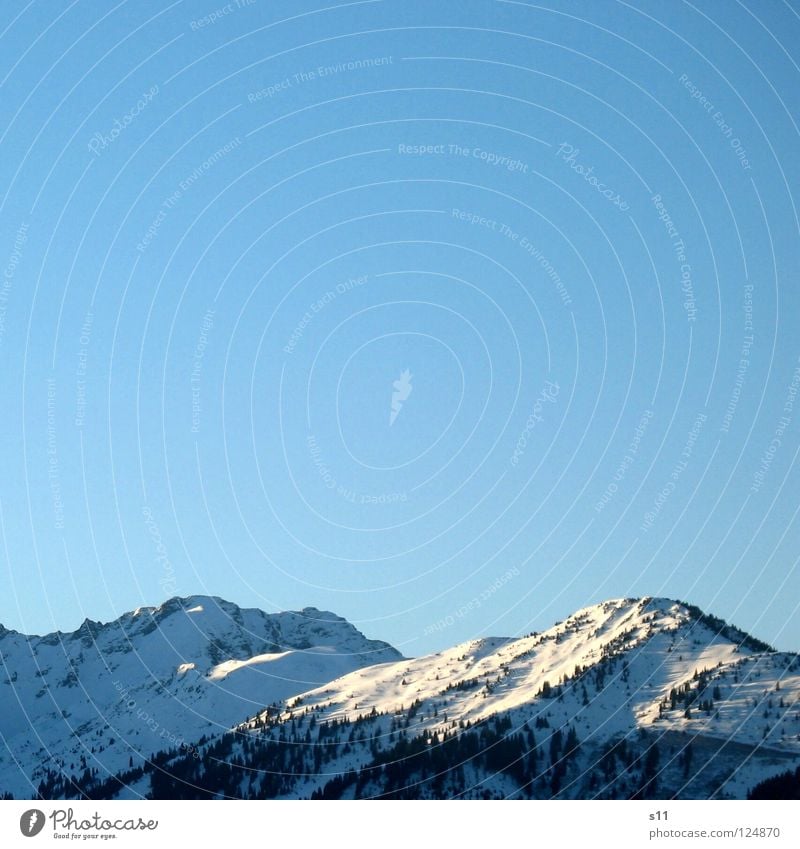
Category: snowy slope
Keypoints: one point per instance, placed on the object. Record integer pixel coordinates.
(608, 673)
(663, 646)
(158, 677)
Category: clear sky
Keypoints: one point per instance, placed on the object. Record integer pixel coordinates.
(451, 318)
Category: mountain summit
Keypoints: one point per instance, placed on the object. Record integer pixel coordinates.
(159, 676)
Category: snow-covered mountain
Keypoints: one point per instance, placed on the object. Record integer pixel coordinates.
(155, 678)
(632, 697)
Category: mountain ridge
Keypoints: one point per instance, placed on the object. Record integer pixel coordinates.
(170, 605)
(629, 698)
(187, 666)
(175, 603)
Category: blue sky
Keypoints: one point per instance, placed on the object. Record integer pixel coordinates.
(228, 230)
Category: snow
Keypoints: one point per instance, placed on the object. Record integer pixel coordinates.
(161, 677)
(157, 677)
(661, 646)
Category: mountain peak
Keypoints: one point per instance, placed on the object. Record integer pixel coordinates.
(194, 665)
(673, 613)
